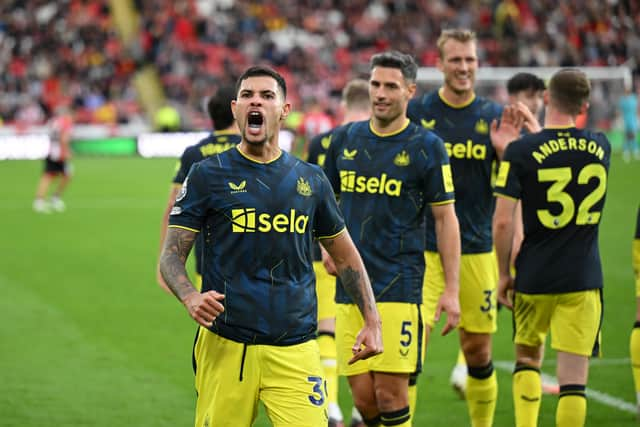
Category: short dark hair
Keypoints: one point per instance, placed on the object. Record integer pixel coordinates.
(525, 81)
(260, 70)
(219, 107)
(569, 89)
(394, 59)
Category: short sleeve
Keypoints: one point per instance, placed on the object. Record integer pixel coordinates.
(507, 182)
(439, 187)
(183, 166)
(190, 207)
(328, 219)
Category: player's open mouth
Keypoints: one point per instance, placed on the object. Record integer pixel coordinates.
(255, 121)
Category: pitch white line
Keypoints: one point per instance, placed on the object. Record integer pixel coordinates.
(592, 394)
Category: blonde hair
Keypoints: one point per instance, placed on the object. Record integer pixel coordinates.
(459, 34)
(355, 95)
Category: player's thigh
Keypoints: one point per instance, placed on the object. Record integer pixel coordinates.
(402, 337)
(576, 322)
(433, 286)
(349, 322)
(226, 381)
(478, 280)
(532, 318)
(293, 387)
(326, 291)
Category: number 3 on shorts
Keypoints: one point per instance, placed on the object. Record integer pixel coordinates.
(488, 294)
(317, 398)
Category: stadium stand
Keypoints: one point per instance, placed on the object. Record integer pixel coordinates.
(72, 51)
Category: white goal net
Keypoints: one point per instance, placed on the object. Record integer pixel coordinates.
(608, 84)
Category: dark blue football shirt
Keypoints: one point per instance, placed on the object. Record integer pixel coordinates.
(258, 221)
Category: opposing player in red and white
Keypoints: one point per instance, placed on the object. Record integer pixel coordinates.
(56, 165)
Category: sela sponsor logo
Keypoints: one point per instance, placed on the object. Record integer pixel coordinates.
(176, 210)
(238, 188)
(467, 150)
(352, 183)
(248, 220)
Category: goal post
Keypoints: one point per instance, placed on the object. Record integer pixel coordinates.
(493, 75)
(608, 84)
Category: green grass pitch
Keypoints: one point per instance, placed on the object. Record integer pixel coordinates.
(88, 339)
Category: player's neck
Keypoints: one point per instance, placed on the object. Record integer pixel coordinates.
(557, 119)
(456, 99)
(233, 129)
(384, 128)
(263, 153)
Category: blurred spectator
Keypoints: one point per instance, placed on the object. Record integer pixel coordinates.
(55, 50)
(167, 119)
(56, 165)
(628, 106)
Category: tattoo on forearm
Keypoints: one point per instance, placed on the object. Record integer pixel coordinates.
(177, 246)
(352, 281)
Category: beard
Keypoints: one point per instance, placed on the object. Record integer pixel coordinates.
(457, 90)
(388, 117)
(256, 143)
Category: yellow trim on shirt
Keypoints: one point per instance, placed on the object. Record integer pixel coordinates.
(384, 135)
(572, 125)
(515, 199)
(246, 156)
(224, 132)
(184, 228)
(333, 235)
(451, 104)
(445, 202)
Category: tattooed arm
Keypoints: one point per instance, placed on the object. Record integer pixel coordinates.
(202, 307)
(355, 280)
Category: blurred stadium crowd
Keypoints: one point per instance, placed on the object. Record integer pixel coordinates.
(69, 52)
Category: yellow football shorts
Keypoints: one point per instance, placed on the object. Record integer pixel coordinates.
(636, 264)
(326, 292)
(198, 283)
(402, 333)
(478, 280)
(573, 317)
(232, 377)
